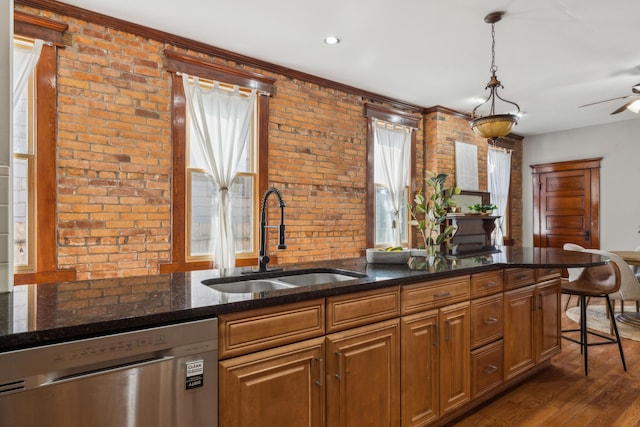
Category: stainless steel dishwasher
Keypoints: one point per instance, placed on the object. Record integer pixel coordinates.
(159, 377)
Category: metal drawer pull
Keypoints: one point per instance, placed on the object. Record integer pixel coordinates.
(490, 369)
(490, 284)
(522, 276)
(442, 294)
(339, 355)
(490, 320)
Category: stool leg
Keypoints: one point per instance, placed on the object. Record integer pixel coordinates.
(615, 328)
(583, 332)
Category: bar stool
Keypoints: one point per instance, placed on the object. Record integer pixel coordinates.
(594, 282)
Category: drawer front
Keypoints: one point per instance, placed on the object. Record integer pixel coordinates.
(544, 274)
(348, 311)
(253, 330)
(486, 320)
(486, 368)
(438, 293)
(518, 277)
(486, 283)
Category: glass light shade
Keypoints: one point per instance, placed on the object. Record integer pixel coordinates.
(495, 126)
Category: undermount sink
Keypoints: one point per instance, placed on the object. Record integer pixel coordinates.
(314, 278)
(283, 280)
(250, 286)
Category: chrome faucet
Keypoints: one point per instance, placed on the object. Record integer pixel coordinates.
(263, 258)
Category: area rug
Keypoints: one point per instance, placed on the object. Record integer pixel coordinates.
(597, 320)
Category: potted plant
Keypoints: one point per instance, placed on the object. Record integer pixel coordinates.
(428, 212)
(482, 209)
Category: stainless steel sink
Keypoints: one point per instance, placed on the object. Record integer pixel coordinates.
(307, 279)
(283, 280)
(250, 286)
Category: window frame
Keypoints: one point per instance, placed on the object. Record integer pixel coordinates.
(178, 63)
(398, 118)
(45, 255)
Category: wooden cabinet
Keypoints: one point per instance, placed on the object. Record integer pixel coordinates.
(531, 326)
(411, 355)
(278, 387)
(363, 376)
(435, 363)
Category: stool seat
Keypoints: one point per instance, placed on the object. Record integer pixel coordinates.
(593, 282)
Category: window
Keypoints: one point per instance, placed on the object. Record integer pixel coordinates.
(35, 237)
(202, 195)
(194, 194)
(384, 222)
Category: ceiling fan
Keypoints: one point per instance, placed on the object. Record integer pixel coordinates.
(632, 105)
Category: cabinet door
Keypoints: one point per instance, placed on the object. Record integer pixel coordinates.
(363, 376)
(420, 370)
(519, 323)
(455, 364)
(278, 387)
(548, 311)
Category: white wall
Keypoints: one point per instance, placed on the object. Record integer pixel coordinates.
(619, 146)
(6, 222)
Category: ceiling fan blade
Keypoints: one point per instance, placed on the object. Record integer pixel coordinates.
(606, 100)
(624, 107)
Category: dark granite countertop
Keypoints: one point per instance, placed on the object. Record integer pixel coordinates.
(34, 315)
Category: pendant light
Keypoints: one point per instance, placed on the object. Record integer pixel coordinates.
(493, 126)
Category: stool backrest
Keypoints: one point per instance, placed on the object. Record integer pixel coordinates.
(604, 278)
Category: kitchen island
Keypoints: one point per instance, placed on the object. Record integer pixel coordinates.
(462, 328)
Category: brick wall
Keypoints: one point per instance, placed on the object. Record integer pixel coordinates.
(114, 157)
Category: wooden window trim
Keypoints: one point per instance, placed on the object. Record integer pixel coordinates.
(179, 63)
(400, 118)
(46, 253)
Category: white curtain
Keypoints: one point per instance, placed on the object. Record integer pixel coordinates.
(24, 61)
(391, 157)
(221, 122)
(499, 171)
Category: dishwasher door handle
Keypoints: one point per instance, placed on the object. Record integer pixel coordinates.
(108, 369)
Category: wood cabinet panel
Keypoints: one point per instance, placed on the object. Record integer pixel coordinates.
(455, 377)
(543, 274)
(518, 277)
(486, 368)
(351, 310)
(486, 320)
(247, 331)
(548, 295)
(420, 369)
(438, 293)
(519, 343)
(486, 283)
(277, 387)
(363, 376)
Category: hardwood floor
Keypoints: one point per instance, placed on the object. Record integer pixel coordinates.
(562, 396)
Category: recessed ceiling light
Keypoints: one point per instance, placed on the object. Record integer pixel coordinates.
(332, 40)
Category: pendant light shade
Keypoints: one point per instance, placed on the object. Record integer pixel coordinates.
(493, 126)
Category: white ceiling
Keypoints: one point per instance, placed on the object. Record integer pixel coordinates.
(552, 55)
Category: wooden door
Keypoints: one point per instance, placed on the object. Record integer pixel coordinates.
(363, 376)
(420, 370)
(279, 387)
(519, 341)
(455, 356)
(566, 203)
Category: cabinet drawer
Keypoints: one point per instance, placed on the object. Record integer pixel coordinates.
(486, 320)
(486, 283)
(247, 331)
(518, 277)
(486, 370)
(427, 295)
(351, 310)
(544, 274)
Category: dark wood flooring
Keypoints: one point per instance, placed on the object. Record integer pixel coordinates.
(562, 396)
